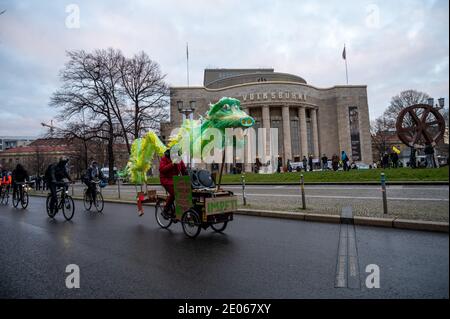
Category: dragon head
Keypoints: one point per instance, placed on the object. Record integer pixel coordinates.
(227, 113)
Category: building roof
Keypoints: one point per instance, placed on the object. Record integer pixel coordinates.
(40, 149)
(220, 78)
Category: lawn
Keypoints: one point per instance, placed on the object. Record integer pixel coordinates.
(370, 175)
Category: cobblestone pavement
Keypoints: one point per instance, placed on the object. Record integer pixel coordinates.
(411, 202)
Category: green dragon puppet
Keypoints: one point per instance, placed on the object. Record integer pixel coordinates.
(226, 113)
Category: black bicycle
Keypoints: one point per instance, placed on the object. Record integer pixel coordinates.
(97, 201)
(21, 196)
(64, 202)
(4, 195)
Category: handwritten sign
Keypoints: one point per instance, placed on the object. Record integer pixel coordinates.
(183, 194)
(220, 205)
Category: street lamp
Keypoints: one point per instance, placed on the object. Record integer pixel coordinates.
(439, 105)
(187, 110)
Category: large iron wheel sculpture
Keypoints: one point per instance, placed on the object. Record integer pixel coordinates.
(420, 124)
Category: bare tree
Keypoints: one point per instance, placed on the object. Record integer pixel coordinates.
(86, 88)
(380, 132)
(144, 85)
(401, 101)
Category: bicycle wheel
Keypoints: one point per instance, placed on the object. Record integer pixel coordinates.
(47, 205)
(15, 200)
(162, 221)
(25, 199)
(220, 227)
(191, 223)
(98, 202)
(68, 207)
(87, 201)
(6, 197)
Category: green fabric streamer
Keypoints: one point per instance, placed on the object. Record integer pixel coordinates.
(226, 113)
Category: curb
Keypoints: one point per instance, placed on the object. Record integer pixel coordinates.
(397, 223)
(405, 183)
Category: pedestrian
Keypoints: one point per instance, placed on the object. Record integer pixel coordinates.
(394, 159)
(305, 163)
(310, 160)
(335, 162)
(289, 166)
(38, 182)
(324, 162)
(429, 152)
(385, 161)
(345, 161)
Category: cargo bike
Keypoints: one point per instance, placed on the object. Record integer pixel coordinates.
(196, 208)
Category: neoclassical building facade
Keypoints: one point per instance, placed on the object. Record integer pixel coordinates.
(310, 120)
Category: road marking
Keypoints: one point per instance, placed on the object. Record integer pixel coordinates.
(347, 265)
(352, 197)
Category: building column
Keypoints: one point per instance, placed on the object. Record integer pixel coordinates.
(266, 125)
(247, 165)
(286, 134)
(303, 132)
(315, 133)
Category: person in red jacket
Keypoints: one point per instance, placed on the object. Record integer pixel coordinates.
(167, 170)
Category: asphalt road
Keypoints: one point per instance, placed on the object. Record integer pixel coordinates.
(123, 256)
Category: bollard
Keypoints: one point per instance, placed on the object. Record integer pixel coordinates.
(383, 192)
(118, 186)
(302, 186)
(244, 199)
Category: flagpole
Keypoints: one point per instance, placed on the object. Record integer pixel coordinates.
(346, 70)
(187, 63)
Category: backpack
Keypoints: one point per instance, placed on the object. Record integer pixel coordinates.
(48, 174)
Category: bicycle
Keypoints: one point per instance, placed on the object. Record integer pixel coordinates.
(64, 202)
(22, 196)
(97, 200)
(4, 195)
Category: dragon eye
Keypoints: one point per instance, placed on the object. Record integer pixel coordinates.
(226, 107)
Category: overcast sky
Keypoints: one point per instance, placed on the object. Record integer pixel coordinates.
(391, 45)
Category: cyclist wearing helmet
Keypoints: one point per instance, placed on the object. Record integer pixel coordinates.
(92, 173)
(54, 176)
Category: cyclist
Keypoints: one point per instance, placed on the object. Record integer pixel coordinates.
(6, 179)
(167, 170)
(93, 173)
(19, 176)
(54, 176)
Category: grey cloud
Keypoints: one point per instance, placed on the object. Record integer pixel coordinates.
(407, 49)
